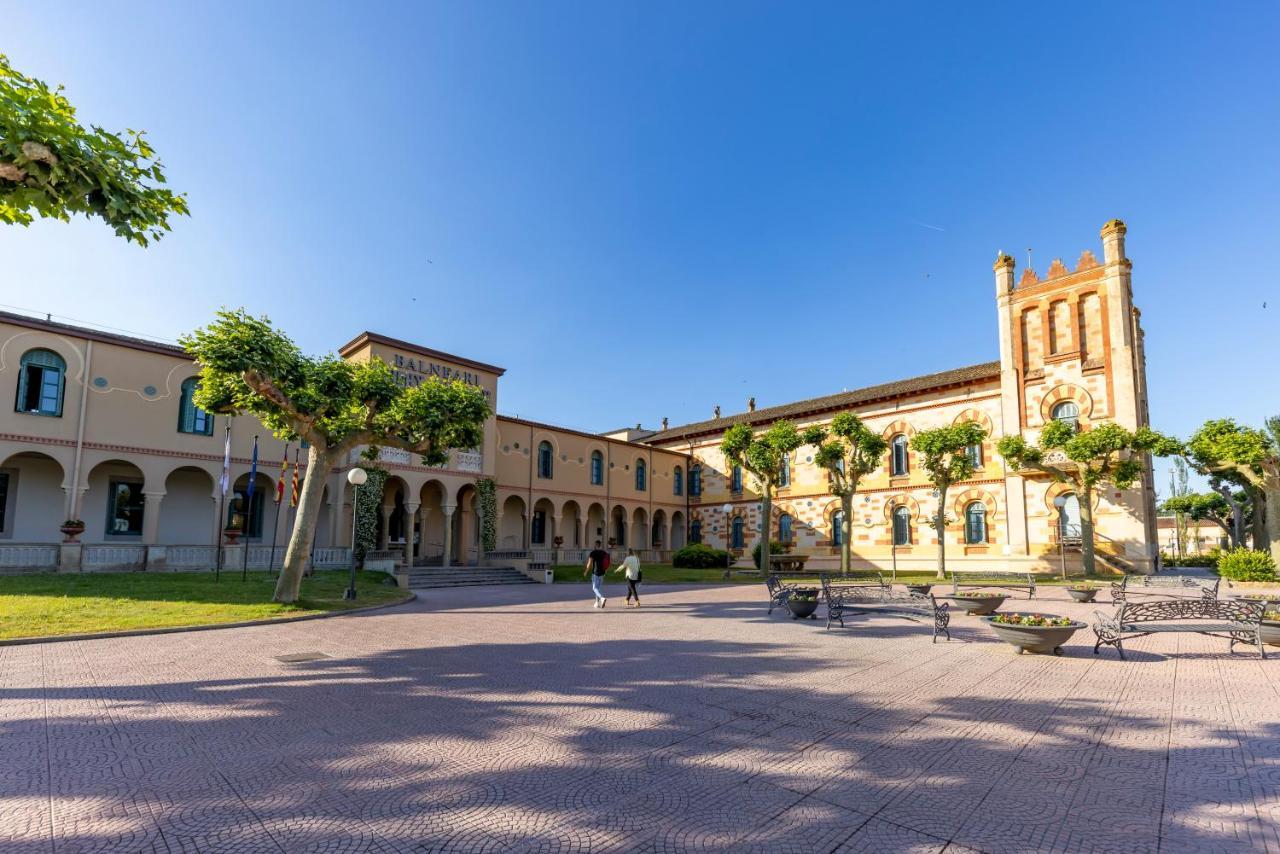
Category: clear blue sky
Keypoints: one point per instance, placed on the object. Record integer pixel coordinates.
(617, 202)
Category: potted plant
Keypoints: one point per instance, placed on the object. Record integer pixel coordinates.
(922, 589)
(1271, 628)
(802, 602)
(1268, 599)
(232, 533)
(979, 603)
(1034, 632)
(1082, 592)
(71, 530)
(557, 541)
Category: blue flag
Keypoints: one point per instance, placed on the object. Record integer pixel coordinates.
(253, 472)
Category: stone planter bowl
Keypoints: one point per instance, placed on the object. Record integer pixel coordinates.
(1083, 595)
(979, 605)
(1041, 639)
(1271, 632)
(801, 608)
(920, 588)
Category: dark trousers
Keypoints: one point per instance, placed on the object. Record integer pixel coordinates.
(631, 589)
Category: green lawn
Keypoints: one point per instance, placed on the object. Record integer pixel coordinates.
(47, 605)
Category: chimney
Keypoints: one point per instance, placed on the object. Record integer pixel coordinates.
(717, 411)
(1004, 273)
(638, 427)
(1113, 241)
(664, 422)
(751, 404)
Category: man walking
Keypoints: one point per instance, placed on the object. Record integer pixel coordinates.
(597, 566)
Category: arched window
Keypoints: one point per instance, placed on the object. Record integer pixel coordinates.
(1067, 412)
(784, 528)
(538, 532)
(695, 531)
(737, 540)
(640, 476)
(191, 418)
(597, 468)
(677, 481)
(901, 526)
(1069, 517)
(784, 473)
(735, 482)
(898, 455)
(975, 455)
(695, 482)
(40, 383)
(837, 528)
(975, 523)
(545, 457)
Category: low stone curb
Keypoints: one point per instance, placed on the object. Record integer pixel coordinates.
(168, 630)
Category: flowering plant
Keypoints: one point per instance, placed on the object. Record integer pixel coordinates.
(1271, 616)
(1084, 585)
(978, 594)
(1031, 620)
(804, 594)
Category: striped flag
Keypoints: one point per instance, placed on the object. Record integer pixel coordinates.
(225, 480)
(293, 498)
(284, 469)
(253, 474)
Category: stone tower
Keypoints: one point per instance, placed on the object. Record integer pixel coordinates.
(1073, 339)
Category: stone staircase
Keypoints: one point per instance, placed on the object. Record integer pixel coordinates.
(423, 578)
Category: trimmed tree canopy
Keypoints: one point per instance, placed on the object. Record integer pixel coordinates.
(762, 456)
(848, 451)
(248, 366)
(51, 166)
(944, 455)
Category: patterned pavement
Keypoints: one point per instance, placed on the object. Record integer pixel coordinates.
(521, 719)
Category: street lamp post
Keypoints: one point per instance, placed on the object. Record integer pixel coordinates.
(356, 477)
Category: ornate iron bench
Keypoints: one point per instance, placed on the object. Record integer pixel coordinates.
(1163, 585)
(880, 598)
(1233, 619)
(778, 591)
(991, 578)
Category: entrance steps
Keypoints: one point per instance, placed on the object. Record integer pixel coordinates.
(465, 576)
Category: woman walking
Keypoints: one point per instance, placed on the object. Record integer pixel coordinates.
(631, 565)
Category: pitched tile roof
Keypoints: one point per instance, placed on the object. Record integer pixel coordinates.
(830, 402)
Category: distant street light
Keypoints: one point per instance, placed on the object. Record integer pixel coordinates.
(356, 477)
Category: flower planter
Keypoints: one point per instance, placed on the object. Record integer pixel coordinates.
(922, 589)
(232, 535)
(1271, 632)
(71, 533)
(1040, 639)
(1082, 595)
(802, 608)
(979, 605)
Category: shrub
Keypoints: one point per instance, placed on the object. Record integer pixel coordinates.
(1247, 565)
(699, 556)
(1207, 559)
(775, 548)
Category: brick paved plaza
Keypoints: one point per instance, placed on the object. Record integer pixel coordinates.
(520, 719)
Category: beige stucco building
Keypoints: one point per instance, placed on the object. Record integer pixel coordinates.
(102, 429)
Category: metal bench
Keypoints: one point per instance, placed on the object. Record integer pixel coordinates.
(880, 598)
(971, 578)
(1163, 585)
(778, 591)
(1233, 619)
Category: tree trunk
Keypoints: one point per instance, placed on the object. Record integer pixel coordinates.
(1086, 530)
(940, 527)
(1272, 495)
(766, 526)
(846, 531)
(304, 528)
(1261, 541)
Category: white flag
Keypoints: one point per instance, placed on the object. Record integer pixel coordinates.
(226, 464)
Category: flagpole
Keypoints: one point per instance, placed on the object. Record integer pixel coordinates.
(222, 498)
(275, 534)
(248, 510)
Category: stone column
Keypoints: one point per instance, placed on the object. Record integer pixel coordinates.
(421, 549)
(74, 500)
(410, 518)
(151, 517)
(385, 540)
(448, 534)
(497, 529)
